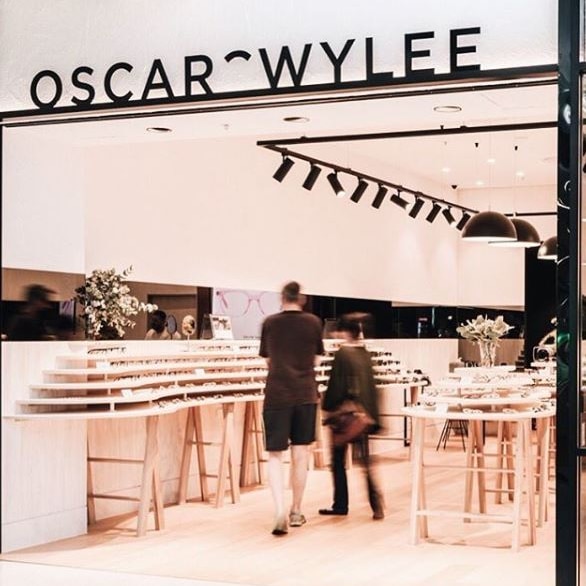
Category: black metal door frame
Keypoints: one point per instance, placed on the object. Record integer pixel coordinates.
(569, 316)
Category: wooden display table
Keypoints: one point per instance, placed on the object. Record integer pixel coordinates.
(111, 383)
(523, 471)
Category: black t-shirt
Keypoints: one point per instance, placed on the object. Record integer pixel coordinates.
(291, 340)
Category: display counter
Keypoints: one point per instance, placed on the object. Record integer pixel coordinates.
(118, 423)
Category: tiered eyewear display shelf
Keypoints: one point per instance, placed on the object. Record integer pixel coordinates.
(512, 401)
(392, 379)
(111, 383)
(116, 382)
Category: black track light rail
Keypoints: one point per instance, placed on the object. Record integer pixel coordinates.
(442, 131)
(312, 160)
(401, 188)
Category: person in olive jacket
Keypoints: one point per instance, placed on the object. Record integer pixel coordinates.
(352, 378)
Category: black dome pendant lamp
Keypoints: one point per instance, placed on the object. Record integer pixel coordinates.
(549, 249)
(527, 236)
(489, 227)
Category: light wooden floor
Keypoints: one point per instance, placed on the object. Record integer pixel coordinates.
(234, 543)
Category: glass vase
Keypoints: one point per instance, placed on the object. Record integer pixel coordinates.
(487, 353)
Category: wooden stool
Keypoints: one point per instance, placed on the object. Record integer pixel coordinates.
(150, 488)
(226, 465)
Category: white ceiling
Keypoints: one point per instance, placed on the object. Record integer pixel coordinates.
(534, 163)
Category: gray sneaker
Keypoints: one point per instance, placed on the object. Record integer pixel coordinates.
(297, 519)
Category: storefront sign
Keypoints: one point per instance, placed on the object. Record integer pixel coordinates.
(72, 56)
(284, 69)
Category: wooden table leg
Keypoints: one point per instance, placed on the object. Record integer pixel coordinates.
(226, 468)
(543, 431)
(518, 492)
(508, 447)
(186, 457)
(234, 485)
(530, 480)
(247, 431)
(498, 495)
(91, 503)
(151, 456)
(201, 455)
(480, 463)
(258, 439)
(416, 496)
(469, 483)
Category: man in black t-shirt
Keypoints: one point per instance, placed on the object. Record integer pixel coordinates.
(291, 341)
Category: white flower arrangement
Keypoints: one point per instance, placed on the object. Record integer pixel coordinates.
(107, 303)
(484, 329)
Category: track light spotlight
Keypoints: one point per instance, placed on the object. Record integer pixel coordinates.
(283, 169)
(379, 197)
(416, 207)
(359, 191)
(311, 178)
(398, 200)
(435, 210)
(463, 221)
(447, 213)
(336, 185)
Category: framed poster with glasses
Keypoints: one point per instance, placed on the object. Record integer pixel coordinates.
(246, 309)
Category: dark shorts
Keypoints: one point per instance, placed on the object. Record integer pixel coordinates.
(296, 424)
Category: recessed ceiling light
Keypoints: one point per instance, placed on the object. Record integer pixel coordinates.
(296, 119)
(446, 169)
(480, 183)
(447, 109)
(491, 161)
(520, 173)
(159, 129)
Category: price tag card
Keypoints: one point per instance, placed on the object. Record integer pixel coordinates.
(441, 408)
(200, 371)
(126, 392)
(102, 364)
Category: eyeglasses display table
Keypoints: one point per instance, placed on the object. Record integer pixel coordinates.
(512, 409)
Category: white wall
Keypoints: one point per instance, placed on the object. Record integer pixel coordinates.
(209, 213)
(42, 204)
(490, 275)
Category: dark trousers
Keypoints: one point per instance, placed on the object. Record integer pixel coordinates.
(361, 452)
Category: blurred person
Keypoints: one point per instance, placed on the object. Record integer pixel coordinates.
(32, 321)
(352, 378)
(64, 327)
(291, 342)
(158, 327)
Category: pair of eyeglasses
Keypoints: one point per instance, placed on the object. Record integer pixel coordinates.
(238, 303)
